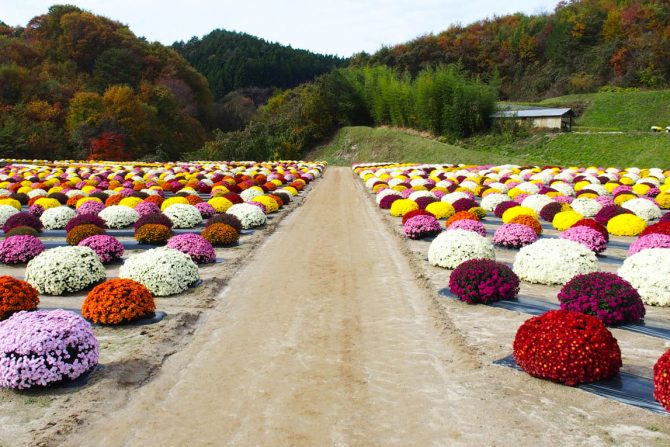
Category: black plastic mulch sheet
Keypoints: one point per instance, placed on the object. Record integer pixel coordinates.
(626, 388)
(531, 306)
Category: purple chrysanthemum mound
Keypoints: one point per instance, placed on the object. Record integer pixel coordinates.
(423, 202)
(23, 220)
(85, 219)
(604, 295)
(421, 226)
(588, 237)
(155, 218)
(146, 208)
(45, 347)
(197, 247)
(483, 281)
(468, 225)
(654, 240)
(206, 210)
(514, 235)
(90, 207)
(464, 204)
(548, 211)
(607, 212)
(386, 201)
(20, 249)
(504, 206)
(108, 248)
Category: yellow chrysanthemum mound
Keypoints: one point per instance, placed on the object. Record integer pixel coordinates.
(513, 212)
(176, 200)
(566, 219)
(403, 206)
(441, 210)
(626, 225)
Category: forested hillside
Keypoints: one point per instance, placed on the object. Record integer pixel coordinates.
(232, 60)
(582, 45)
(77, 85)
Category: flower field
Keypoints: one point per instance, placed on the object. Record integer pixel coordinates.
(585, 250)
(122, 245)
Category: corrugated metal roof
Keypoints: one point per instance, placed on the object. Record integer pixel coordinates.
(532, 113)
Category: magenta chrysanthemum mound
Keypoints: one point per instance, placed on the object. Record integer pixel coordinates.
(197, 247)
(421, 226)
(20, 249)
(514, 235)
(22, 220)
(588, 237)
(108, 248)
(654, 240)
(45, 347)
(483, 281)
(607, 296)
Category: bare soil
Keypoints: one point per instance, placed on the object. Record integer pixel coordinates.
(333, 333)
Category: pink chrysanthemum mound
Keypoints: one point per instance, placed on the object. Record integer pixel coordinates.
(421, 226)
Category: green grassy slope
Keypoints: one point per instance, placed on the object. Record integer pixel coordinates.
(366, 144)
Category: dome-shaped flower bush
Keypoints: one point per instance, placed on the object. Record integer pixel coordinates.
(56, 218)
(461, 215)
(464, 204)
(549, 211)
(591, 223)
(271, 205)
(646, 209)
(22, 220)
(90, 207)
(403, 206)
(153, 234)
(553, 261)
(607, 296)
(85, 219)
(249, 216)
(45, 347)
(251, 193)
(108, 248)
(145, 208)
(117, 216)
(567, 347)
(81, 232)
(626, 225)
(220, 234)
(649, 241)
(415, 213)
(220, 204)
(586, 207)
(483, 281)
(20, 249)
(15, 296)
(451, 248)
(64, 269)
(565, 219)
(118, 301)
(536, 202)
(514, 236)
(387, 201)
(22, 231)
(421, 226)
(588, 237)
(205, 209)
(174, 201)
(164, 271)
(657, 228)
(194, 245)
(502, 207)
(608, 212)
(227, 219)
(516, 211)
(662, 380)
(183, 216)
(649, 272)
(441, 210)
(468, 225)
(156, 218)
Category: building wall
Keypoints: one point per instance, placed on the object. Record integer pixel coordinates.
(548, 122)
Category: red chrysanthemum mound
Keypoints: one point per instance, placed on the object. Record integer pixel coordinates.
(567, 347)
(117, 301)
(414, 213)
(662, 380)
(657, 228)
(15, 296)
(483, 281)
(594, 225)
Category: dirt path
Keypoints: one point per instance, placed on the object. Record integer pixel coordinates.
(325, 338)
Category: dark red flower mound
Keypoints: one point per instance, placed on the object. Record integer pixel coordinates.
(423, 202)
(483, 281)
(415, 213)
(386, 201)
(567, 347)
(657, 228)
(227, 219)
(464, 204)
(665, 218)
(662, 380)
(502, 207)
(84, 219)
(23, 220)
(591, 223)
(609, 211)
(607, 296)
(548, 211)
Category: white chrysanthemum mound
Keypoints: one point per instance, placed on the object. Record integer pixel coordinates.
(64, 269)
(563, 188)
(250, 216)
(251, 193)
(56, 218)
(649, 272)
(118, 216)
(553, 261)
(586, 207)
(454, 196)
(164, 271)
(183, 216)
(490, 201)
(450, 248)
(646, 209)
(386, 192)
(6, 212)
(536, 202)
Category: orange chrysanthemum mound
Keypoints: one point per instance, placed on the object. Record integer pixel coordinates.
(193, 199)
(158, 200)
(15, 296)
(81, 232)
(460, 215)
(529, 221)
(155, 234)
(220, 234)
(117, 301)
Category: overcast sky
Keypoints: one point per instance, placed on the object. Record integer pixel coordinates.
(340, 27)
